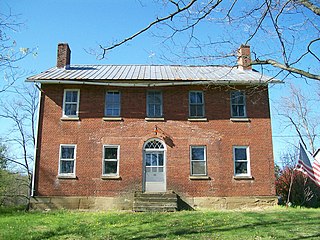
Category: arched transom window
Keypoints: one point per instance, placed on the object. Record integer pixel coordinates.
(154, 144)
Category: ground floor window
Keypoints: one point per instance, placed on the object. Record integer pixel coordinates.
(198, 160)
(241, 161)
(67, 160)
(110, 166)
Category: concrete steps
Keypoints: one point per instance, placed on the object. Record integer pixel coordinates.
(155, 202)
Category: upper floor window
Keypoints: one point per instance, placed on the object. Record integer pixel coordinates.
(238, 104)
(71, 102)
(198, 160)
(67, 160)
(154, 104)
(112, 104)
(241, 161)
(196, 104)
(111, 160)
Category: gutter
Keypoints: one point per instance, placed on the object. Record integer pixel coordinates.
(152, 84)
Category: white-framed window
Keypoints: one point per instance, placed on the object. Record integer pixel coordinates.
(198, 161)
(196, 104)
(71, 102)
(67, 160)
(112, 104)
(154, 104)
(110, 163)
(241, 159)
(238, 104)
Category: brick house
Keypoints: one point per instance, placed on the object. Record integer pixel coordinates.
(108, 131)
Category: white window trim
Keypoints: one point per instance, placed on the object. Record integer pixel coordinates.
(248, 174)
(205, 160)
(118, 160)
(161, 106)
(203, 105)
(244, 108)
(71, 175)
(64, 104)
(105, 105)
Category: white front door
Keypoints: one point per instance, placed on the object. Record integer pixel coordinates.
(154, 168)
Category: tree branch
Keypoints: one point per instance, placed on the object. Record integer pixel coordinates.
(158, 20)
(314, 8)
(286, 68)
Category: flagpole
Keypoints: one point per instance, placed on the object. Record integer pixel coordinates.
(290, 187)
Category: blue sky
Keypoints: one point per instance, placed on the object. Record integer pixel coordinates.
(86, 24)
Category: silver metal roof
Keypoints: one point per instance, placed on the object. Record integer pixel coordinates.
(150, 73)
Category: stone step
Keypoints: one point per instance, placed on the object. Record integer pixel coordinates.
(155, 209)
(161, 202)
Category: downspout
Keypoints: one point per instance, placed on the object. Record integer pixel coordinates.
(36, 143)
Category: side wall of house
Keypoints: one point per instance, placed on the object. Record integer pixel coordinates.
(219, 134)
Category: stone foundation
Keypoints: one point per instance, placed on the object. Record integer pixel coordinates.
(126, 203)
(232, 202)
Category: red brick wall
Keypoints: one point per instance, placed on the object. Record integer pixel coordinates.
(218, 134)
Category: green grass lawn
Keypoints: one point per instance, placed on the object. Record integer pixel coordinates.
(276, 223)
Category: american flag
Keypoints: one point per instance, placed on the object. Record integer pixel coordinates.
(312, 170)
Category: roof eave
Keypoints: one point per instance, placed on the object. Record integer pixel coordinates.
(151, 83)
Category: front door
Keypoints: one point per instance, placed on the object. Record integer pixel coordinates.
(154, 169)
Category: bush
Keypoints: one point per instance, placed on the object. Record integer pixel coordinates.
(304, 192)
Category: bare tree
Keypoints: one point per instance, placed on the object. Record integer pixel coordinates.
(285, 34)
(21, 112)
(299, 113)
(10, 54)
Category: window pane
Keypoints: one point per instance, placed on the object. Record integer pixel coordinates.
(70, 109)
(157, 98)
(157, 110)
(193, 111)
(160, 157)
(67, 152)
(110, 167)
(154, 160)
(240, 154)
(74, 96)
(198, 168)
(66, 166)
(241, 167)
(148, 160)
(68, 96)
(235, 110)
(199, 97)
(193, 97)
(197, 153)
(110, 153)
(237, 97)
(241, 110)
(116, 112)
(199, 110)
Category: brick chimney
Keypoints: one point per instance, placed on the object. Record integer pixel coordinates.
(244, 58)
(63, 56)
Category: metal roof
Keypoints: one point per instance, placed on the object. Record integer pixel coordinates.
(150, 73)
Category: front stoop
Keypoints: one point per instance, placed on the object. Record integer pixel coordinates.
(155, 202)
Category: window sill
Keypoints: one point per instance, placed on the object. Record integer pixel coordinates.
(154, 119)
(197, 119)
(67, 177)
(112, 118)
(240, 120)
(110, 177)
(70, 118)
(199, 178)
(243, 178)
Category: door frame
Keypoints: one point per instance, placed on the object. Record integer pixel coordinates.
(144, 151)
